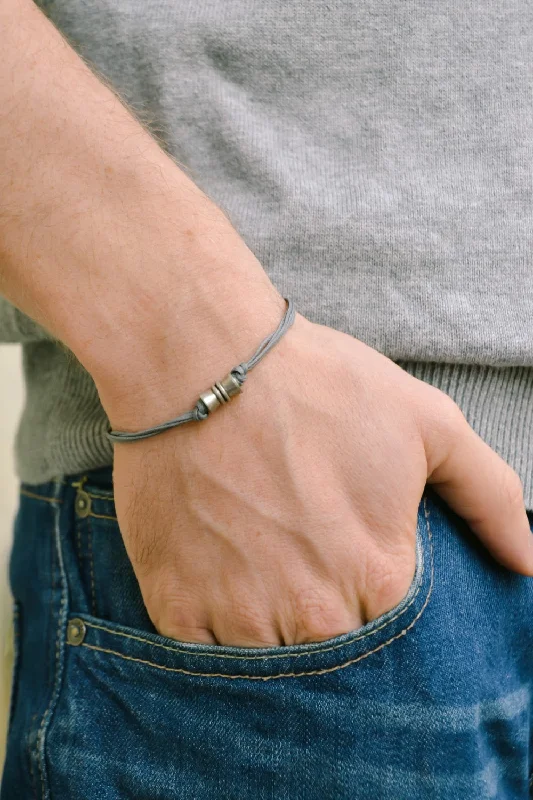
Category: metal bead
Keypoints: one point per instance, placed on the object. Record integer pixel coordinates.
(230, 385)
(211, 400)
(220, 393)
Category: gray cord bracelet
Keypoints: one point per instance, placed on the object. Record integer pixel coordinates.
(221, 392)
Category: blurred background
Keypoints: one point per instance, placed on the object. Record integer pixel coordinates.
(11, 395)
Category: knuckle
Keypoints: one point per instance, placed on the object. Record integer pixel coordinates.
(317, 615)
(446, 411)
(248, 625)
(167, 617)
(180, 628)
(387, 582)
(169, 610)
(183, 633)
(512, 488)
(441, 421)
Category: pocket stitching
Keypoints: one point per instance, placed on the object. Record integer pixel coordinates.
(101, 516)
(91, 566)
(281, 655)
(356, 638)
(107, 496)
(280, 674)
(35, 496)
(58, 667)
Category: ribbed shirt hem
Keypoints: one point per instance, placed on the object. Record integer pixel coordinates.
(63, 427)
(498, 404)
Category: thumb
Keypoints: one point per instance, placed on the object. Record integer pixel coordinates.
(480, 487)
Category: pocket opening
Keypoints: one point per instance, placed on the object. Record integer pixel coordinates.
(111, 638)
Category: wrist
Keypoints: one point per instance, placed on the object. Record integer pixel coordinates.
(162, 359)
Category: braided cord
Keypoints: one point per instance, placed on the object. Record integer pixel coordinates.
(219, 393)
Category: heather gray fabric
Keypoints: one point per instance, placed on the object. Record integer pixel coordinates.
(376, 157)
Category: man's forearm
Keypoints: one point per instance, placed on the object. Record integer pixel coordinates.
(103, 239)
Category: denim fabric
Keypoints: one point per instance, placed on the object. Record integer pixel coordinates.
(432, 700)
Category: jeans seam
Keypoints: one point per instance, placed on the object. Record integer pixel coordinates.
(30, 760)
(35, 496)
(91, 566)
(62, 617)
(78, 543)
(16, 660)
(286, 674)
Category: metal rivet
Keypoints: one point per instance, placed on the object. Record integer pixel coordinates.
(82, 504)
(76, 631)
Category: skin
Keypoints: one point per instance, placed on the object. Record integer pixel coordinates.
(290, 515)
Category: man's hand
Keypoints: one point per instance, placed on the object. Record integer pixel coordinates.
(290, 515)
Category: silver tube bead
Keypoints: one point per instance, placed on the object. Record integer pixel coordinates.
(210, 401)
(222, 397)
(231, 385)
(220, 393)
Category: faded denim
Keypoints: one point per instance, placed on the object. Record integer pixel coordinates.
(432, 700)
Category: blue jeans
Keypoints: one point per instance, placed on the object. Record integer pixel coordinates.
(431, 700)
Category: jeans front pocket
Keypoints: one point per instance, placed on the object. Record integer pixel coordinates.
(144, 716)
(107, 601)
(432, 700)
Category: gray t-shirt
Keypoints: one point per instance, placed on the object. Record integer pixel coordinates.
(376, 157)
